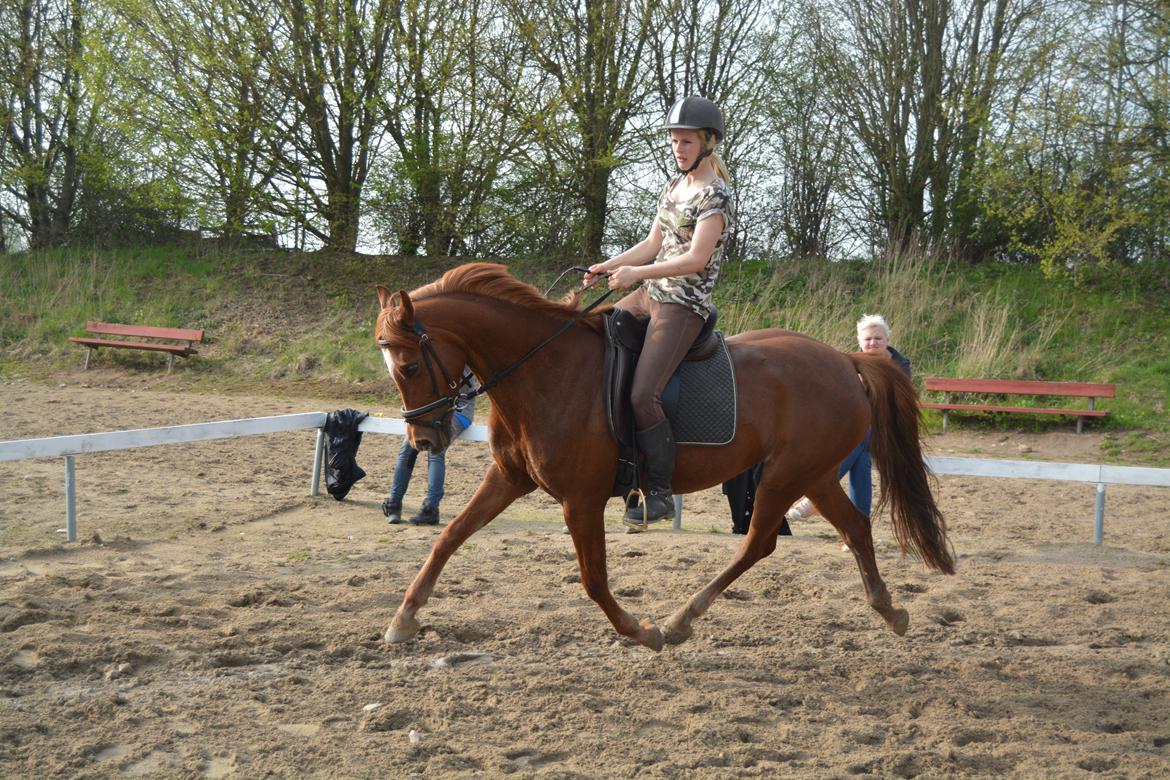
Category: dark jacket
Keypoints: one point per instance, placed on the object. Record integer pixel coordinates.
(902, 361)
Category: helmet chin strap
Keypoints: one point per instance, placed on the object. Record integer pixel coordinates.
(698, 161)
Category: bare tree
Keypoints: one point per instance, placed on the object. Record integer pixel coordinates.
(43, 115)
(201, 94)
(1128, 61)
(728, 52)
(594, 52)
(811, 148)
(327, 70)
(917, 81)
(453, 110)
(1081, 183)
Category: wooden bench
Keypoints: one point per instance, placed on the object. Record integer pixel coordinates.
(957, 387)
(189, 338)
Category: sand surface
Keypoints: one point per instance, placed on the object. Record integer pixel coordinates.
(215, 620)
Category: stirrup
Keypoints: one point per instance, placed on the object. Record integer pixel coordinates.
(632, 526)
(642, 521)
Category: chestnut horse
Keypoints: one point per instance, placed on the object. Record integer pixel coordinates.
(548, 430)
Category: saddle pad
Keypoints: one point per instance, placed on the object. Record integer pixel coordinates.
(701, 399)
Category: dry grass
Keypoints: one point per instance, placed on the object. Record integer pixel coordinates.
(938, 322)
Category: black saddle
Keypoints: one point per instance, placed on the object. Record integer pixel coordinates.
(699, 400)
(629, 332)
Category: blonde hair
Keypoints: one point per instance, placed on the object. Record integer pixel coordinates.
(717, 164)
(868, 321)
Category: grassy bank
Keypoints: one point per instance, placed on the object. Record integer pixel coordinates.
(298, 324)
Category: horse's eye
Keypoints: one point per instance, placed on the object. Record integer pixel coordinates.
(410, 369)
(383, 344)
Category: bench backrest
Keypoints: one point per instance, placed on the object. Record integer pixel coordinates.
(1021, 387)
(144, 331)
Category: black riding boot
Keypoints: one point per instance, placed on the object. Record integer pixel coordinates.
(657, 443)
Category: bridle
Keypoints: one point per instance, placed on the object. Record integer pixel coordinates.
(446, 403)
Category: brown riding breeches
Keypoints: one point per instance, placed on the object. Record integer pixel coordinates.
(671, 332)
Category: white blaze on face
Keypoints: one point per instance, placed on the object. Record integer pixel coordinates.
(389, 361)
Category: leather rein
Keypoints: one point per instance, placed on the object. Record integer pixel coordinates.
(458, 390)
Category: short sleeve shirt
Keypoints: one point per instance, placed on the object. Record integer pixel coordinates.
(678, 222)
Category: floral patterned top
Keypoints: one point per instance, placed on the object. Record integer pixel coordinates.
(678, 221)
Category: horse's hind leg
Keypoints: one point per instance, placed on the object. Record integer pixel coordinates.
(586, 522)
(855, 528)
(759, 543)
(494, 495)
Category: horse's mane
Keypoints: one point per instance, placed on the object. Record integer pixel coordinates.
(493, 281)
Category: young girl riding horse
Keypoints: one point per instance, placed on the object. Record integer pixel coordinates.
(686, 246)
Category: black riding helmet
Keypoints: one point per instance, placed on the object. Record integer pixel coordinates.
(695, 113)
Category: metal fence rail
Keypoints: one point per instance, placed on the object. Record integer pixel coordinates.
(86, 443)
(1100, 475)
(81, 444)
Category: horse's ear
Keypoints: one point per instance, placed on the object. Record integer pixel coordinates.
(398, 302)
(401, 308)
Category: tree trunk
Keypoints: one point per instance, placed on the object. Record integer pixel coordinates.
(595, 201)
(344, 210)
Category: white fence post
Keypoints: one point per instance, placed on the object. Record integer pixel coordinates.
(70, 500)
(1099, 521)
(318, 453)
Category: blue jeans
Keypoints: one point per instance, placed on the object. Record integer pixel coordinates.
(436, 471)
(436, 474)
(859, 466)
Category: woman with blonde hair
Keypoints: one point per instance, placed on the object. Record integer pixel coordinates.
(873, 337)
(677, 265)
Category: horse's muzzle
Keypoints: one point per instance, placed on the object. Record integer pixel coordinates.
(432, 438)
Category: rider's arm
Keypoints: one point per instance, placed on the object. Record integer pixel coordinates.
(695, 259)
(642, 252)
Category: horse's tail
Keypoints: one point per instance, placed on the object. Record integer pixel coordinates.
(919, 526)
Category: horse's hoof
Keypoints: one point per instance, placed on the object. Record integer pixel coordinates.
(653, 637)
(899, 621)
(677, 631)
(677, 637)
(401, 629)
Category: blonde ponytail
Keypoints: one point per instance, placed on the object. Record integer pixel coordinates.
(720, 168)
(717, 164)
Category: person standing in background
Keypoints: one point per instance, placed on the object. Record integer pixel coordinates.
(873, 337)
(436, 466)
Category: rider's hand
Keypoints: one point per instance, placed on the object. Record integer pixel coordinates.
(626, 276)
(595, 270)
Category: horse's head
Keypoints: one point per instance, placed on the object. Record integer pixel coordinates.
(426, 366)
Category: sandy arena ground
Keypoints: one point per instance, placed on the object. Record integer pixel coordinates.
(217, 621)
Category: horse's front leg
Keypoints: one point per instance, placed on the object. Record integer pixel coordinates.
(586, 521)
(494, 495)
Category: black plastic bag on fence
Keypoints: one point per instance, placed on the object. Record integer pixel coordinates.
(342, 440)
